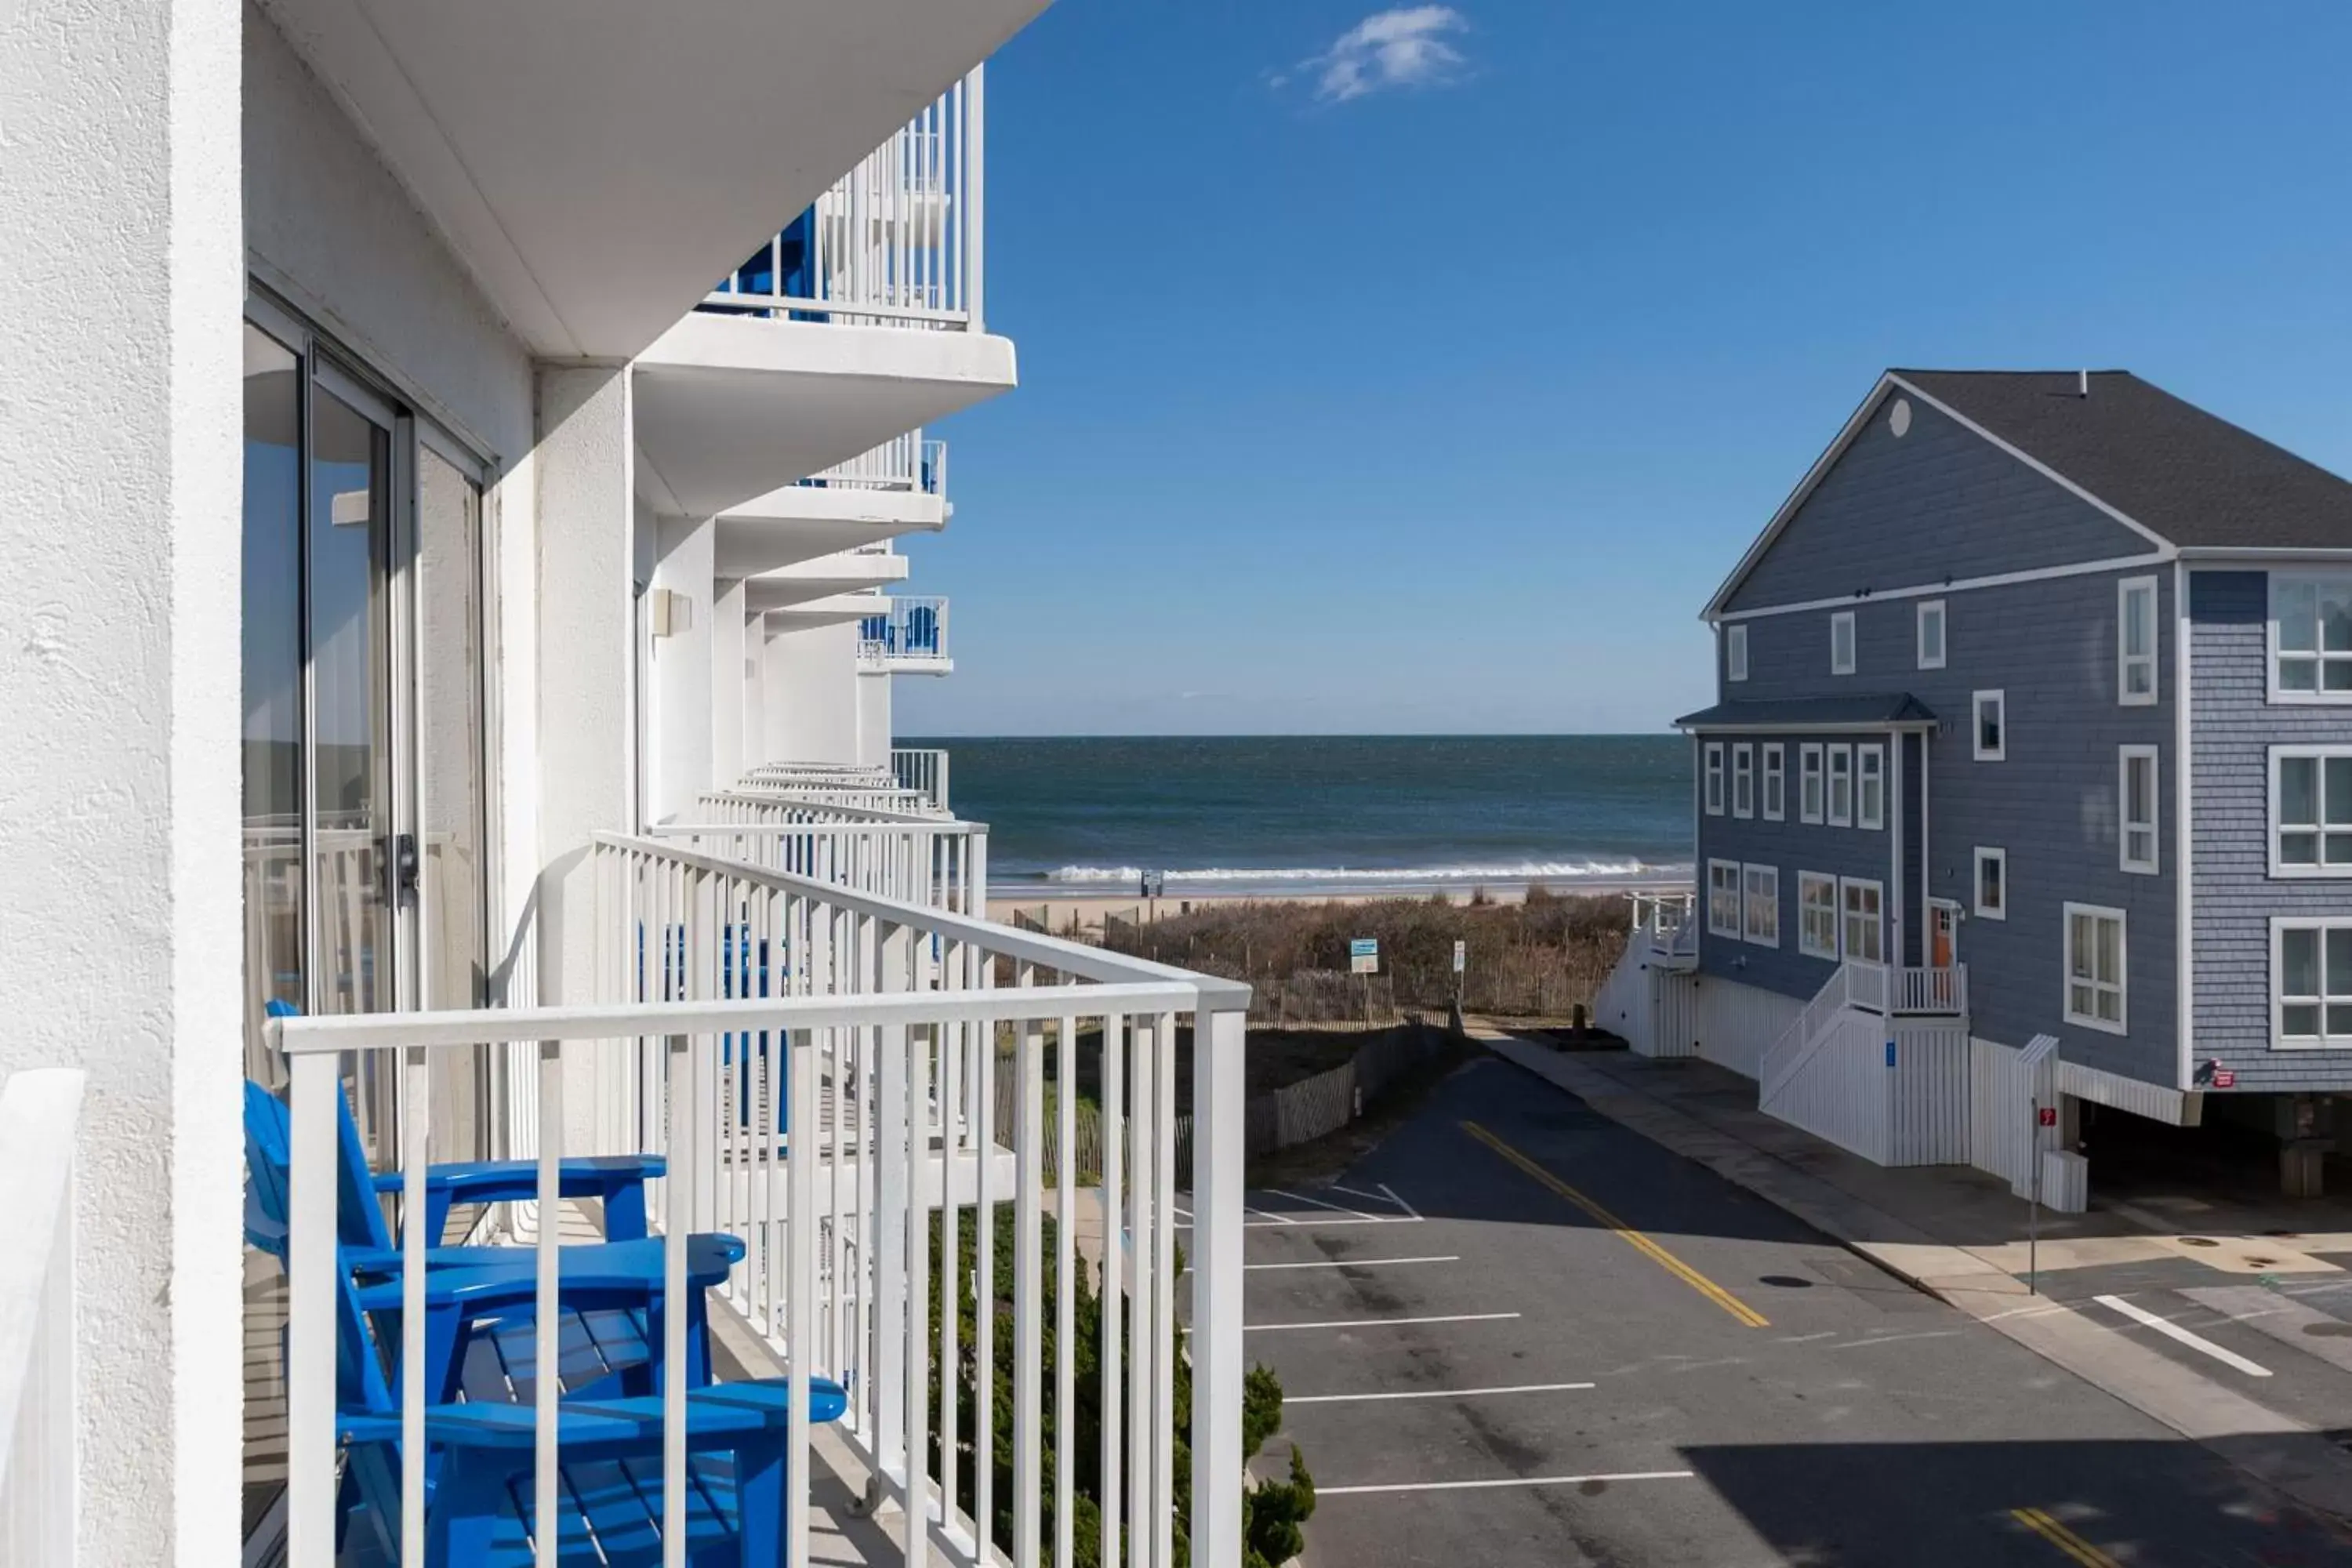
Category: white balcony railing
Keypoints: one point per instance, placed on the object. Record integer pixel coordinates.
(40, 1116)
(896, 241)
(910, 634)
(1908, 988)
(1667, 921)
(866, 789)
(907, 463)
(938, 863)
(735, 1004)
(924, 769)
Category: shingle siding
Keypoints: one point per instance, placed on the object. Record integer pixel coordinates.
(1937, 503)
(2232, 727)
(2049, 645)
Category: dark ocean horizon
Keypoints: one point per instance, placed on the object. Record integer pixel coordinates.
(1360, 812)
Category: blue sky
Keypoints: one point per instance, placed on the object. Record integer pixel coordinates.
(1425, 369)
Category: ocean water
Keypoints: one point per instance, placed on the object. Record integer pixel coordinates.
(1266, 814)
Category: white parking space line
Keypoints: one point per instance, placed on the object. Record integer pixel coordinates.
(2172, 1330)
(1270, 1221)
(1381, 1323)
(1398, 1201)
(1357, 1193)
(1290, 1399)
(1266, 1218)
(1357, 1262)
(1318, 1203)
(1323, 1491)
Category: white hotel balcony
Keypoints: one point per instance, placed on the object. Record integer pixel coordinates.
(909, 637)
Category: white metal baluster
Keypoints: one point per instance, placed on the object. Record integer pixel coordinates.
(547, 1304)
(415, 1123)
(980, 1036)
(1065, 1289)
(1114, 1276)
(895, 1245)
(685, 1155)
(975, 188)
(918, 1266)
(310, 1285)
(946, 1037)
(1218, 1152)
(1163, 1229)
(800, 1295)
(1145, 1339)
(1028, 1283)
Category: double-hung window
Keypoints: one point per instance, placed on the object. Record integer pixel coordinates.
(1735, 653)
(2311, 636)
(1776, 781)
(1743, 780)
(2311, 811)
(1992, 883)
(1861, 929)
(1840, 813)
(2136, 641)
(2094, 968)
(1762, 905)
(1714, 775)
(1817, 915)
(1988, 716)
(2135, 808)
(2311, 983)
(1723, 898)
(1931, 634)
(1809, 781)
(1841, 643)
(1869, 786)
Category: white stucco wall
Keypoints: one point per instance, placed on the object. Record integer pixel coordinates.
(679, 674)
(812, 695)
(729, 682)
(120, 495)
(873, 719)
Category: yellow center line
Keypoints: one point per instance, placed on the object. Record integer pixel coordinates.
(2064, 1539)
(1642, 1244)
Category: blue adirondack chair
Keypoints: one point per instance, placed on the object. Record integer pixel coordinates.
(479, 1470)
(619, 1339)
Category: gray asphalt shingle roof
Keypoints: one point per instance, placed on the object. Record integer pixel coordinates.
(2192, 477)
(1837, 712)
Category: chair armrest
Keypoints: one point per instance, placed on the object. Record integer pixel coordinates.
(617, 1179)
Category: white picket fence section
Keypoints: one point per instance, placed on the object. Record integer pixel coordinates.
(2005, 1085)
(737, 1003)
(40, 1417)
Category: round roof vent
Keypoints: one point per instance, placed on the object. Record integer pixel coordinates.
(1899, 419)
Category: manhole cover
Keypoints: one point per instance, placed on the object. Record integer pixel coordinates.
(2198, 1241)
(1786, 1282)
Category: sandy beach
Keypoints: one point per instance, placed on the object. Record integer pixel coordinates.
(1057, 910)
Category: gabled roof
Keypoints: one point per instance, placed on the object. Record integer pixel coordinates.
(1873, 711)
(2192, 477)
(2185, 478)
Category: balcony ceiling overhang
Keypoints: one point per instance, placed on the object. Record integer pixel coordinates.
(801, 522)
(821, 579)
(829, 611)
(598, 165)
(729, 407)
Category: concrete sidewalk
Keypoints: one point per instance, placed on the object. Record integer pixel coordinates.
(1952, 1232)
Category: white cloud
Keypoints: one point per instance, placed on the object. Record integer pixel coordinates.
(1403, 46)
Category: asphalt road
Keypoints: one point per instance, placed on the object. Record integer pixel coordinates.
(1756, 1396)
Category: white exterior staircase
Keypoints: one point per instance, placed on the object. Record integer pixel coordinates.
(1877, 1062)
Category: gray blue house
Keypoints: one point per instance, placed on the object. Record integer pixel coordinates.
(2034, 725)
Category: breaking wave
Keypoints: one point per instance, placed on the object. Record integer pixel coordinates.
(1523, 871)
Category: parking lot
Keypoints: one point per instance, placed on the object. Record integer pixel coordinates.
(1520, 1333)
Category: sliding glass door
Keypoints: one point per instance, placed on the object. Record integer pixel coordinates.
(365, 883)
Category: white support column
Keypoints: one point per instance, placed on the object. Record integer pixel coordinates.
(681, 679)
(1218, 1363)
(730, 682)
(120, 541)
(587, 629)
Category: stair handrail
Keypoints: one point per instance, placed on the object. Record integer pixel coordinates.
(1805, 1035)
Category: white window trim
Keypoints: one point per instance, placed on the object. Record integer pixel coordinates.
(1747, 921)
(1843, 619)
(2122, 1025)
(2270, 642)
(1811, 765)
(1829, 813)
(2124, 697)
(2280, 869)
(1943, 634)
(1740, 905)
(2125, 757)
(1713, 785)
(1977, 748)
(1837, 924)
(1743, 781)
(1845, 948)
(1984, 853)
(1735, 653)
(1774, 783)
(1876, 755)
(2280, 926)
